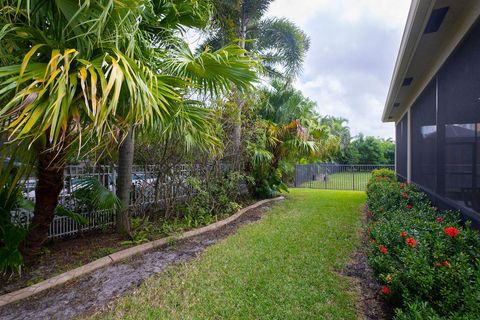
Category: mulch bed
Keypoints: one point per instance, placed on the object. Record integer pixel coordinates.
(370, 305)
(61, 255)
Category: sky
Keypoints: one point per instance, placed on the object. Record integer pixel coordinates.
(354, 45)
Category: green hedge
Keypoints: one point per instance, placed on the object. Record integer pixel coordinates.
(427, 262)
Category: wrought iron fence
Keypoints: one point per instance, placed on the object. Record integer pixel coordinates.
(335, 176)
(158, 187)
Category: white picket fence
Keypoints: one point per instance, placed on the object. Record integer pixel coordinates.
(153, 187)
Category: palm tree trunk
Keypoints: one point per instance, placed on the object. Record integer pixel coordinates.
(237, 126)
(124, 181)
(50, 177)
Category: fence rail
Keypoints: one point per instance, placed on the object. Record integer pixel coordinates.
(158, 187)
(335, 176)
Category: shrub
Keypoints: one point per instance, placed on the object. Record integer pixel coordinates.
(11, 235)
(384, 173)
(428, 261)
(213, 198)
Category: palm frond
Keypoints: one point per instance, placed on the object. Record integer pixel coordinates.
(62, 211)
(282, 45)
(213, 72)
(92, 192)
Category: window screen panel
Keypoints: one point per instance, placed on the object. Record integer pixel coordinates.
(424, 138)
(458, 124)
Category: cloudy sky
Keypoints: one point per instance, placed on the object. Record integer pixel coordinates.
(354, 44)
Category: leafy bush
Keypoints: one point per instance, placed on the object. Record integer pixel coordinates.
(212, 198)
(11, 235)
(427, 261)
(384, 173)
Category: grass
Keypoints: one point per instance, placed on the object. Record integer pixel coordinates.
(284, 267)
(342, 181)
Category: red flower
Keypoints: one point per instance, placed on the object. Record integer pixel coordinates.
(411, 242)
(402, 185)
(440, 219)
(403, 234)
(451, 231)
(383, 249)
(409, 206)
(385, 290)
(446, 263)
(437, 264)
(404, 195)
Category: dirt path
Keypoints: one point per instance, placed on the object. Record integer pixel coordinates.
(101, 287)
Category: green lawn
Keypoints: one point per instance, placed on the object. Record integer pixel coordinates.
(283, 267)
(341, 181)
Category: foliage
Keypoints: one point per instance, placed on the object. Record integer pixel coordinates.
(426, 258)
(281, 45)
(90, 192)
(282, 131)
(11, 235)
(77, 76)
(369, 150)
(213, 197)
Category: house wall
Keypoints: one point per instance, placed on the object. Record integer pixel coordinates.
(401, 144)
(445, 132)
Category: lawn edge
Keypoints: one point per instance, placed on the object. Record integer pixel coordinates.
(119, 256)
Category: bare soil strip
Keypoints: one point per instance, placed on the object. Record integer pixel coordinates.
(370, 305)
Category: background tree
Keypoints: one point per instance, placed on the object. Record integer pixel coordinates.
(281, 45)
(369, 150)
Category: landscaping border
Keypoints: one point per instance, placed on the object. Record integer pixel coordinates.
(119, 256)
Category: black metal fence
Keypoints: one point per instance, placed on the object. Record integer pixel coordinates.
(335, 176)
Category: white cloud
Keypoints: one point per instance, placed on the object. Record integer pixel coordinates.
(353, 51)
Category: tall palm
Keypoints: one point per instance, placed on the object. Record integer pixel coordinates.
(90, 71)
(281, 45)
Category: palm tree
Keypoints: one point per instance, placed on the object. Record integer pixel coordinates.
(281, 45)
(92, 71)
(291, 119)
(286, 132)
(338, 128)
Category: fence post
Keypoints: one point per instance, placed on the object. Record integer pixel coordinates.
(353, 180)
(114, 179)
(325, 177)
(296, 175)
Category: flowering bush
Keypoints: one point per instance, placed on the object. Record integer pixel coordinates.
(430, 267)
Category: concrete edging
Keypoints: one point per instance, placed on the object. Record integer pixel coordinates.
(118, 256)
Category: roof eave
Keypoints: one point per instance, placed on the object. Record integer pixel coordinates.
(416, 22)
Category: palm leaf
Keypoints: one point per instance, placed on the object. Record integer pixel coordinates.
(92, 192)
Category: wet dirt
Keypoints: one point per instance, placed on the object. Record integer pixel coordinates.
(102, 287)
